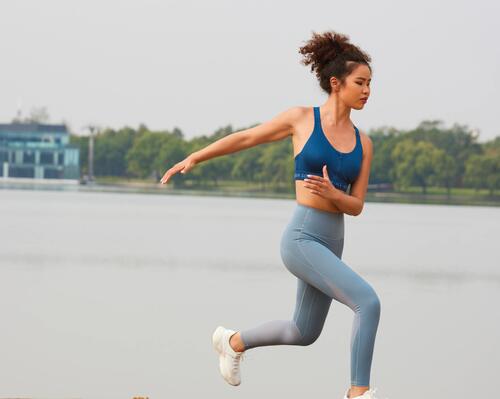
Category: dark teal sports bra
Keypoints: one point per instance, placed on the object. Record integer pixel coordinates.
(342, 167)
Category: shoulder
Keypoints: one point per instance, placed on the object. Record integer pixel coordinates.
(291, 116)
(295, 117)
(298, 112)
(366, 143)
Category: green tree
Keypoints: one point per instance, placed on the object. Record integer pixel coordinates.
(276, 164)
(110, 150)
(415, 163)
(384, 140)
(145, 150)
(217, 169)
(459, 142)
(483, 171)
(445, 171)
(246, 164)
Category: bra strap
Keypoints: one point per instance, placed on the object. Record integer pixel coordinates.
(358, 138)
(317, 119)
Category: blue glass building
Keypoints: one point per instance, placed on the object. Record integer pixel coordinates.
(39, 151)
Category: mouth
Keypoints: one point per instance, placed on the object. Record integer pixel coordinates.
(364, 99)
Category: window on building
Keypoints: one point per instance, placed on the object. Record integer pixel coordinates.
(51, 173)
(29, 157)
(46, 158)
(19, 171)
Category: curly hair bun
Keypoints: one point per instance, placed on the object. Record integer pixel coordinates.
(329, 54)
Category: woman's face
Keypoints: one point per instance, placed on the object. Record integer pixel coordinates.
(356, 89)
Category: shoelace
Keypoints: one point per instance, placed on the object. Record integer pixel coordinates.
(237, 358)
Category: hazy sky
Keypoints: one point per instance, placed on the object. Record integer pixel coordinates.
(200, 65)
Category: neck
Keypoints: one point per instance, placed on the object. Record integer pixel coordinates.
(336, 113)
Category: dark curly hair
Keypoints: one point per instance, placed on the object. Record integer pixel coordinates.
(331, 54)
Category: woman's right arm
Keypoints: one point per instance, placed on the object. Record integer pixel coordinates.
(275, 129)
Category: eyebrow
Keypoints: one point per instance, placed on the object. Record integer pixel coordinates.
(359, 77)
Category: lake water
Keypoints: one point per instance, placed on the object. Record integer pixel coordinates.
(107, 295)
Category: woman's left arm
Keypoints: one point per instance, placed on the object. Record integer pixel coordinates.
(352, 203)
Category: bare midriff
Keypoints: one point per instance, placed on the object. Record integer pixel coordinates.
(305, 197)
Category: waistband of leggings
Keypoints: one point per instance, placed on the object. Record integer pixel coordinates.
(320, 212)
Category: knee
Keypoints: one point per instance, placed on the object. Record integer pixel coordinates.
(372, 304)
(368, 303)
(309, 338)
(302, 338)
(292, 335)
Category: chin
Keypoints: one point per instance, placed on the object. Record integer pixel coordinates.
(359, 106)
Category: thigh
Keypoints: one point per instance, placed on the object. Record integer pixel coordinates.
(320, 267)
(311, 309)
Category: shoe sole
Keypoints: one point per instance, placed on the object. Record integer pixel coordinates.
(217, 339)
(217, 345)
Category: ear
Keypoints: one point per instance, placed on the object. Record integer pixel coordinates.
(334, 83)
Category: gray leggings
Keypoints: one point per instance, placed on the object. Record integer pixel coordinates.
(311, 249)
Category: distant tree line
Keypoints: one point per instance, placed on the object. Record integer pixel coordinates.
(429, 155)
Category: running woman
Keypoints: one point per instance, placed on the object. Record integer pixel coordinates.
(332, 165)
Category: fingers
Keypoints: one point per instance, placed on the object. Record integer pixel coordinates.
(321, 182)
(165, 178)
(316, 192)
(314, 188)
(183, 167)
(314, 177)
(311, 190)
(318, 183)
(315, 184)
(172, 171)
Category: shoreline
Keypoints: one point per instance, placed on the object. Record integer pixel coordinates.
(150, 188)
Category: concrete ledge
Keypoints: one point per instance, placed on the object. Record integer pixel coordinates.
(31, 181)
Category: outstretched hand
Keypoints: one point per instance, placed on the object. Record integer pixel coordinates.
(322, 186)
(183, 166)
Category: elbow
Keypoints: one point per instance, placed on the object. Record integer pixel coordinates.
(358, 210)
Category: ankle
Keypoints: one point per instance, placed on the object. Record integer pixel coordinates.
(356, 391)
(236, 342)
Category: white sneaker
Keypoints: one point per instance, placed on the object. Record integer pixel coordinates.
(229, 359)
(369, 394)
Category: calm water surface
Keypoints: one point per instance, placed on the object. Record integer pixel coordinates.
(106, 295)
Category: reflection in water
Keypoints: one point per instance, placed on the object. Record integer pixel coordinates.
(28, 261)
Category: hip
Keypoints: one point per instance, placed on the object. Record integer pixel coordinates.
(308, 223)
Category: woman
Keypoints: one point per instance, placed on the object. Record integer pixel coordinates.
(332, 160)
